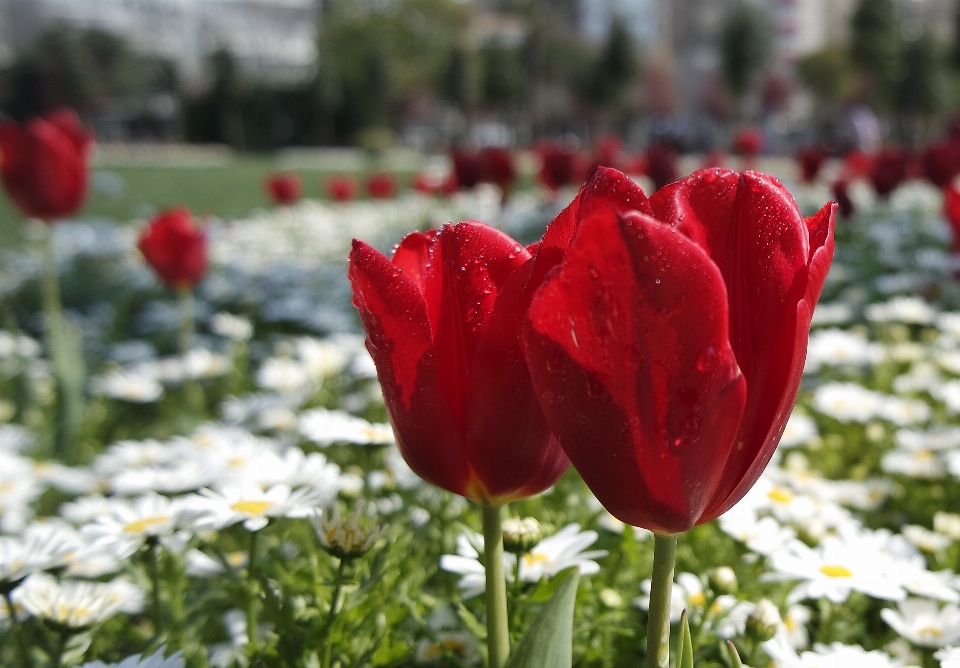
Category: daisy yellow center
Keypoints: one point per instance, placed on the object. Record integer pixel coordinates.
(534, 558)
(833, 571)
(697, 599)
(924, 455)
(780, 495)
(929, 632)
(252, 507)
(236, 462)
(455, 645)
(142, 525)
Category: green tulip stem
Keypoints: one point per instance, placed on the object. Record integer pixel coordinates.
(498, 633)
(186, 318)
(658, 619)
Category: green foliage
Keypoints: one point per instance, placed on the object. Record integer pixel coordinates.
(876, 44)
(744, 46)
(921, 86)
(614, 69)
(504, 81)
(827, 74)
(549, 641)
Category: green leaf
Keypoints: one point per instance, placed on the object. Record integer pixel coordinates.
(685, 643)
(735, 661)
(548, 643)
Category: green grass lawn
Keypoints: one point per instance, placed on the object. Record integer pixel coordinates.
(125, 192)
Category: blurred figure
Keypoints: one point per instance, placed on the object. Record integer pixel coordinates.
(811, 159)
(342, 188)
(284, 188)
(381, 185)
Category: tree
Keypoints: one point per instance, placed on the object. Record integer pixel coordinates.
(504, 82)
(615, 69)
(921, 87)
(744, 47)
(875, 46)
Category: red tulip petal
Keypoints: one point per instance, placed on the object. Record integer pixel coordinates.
(413, 255)
(753, 230)
(628, 348)
(474, 262)
(503, 407)
(606, 188)
(399, 339)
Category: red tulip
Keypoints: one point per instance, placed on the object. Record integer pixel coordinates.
(668, 345)
(175, 248)
(499, 168)
(941, 162)
(381, 185)
(811, 159)
(442, 321)
(748, 142)
(284, 189)
(342, 188)
(841, 194)
(951, 210)
(662, 165)
(466, 168)
(889, 169)
(856, 164)
(44, 166)
(557, 166)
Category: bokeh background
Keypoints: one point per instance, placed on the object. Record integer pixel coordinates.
(193, 100)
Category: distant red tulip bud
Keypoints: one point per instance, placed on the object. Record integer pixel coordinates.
(499, 168)
(668, 341)
(662, 165)
(951, 210)
(450, 184)
(842, 196)
(381, 185)
(284, 189)
(443, 320)
(811, 159)
(44, 166)
(941, 162)
(857, 164)
(426, 184)
(748, 142)
(342, 188)
(557, 166)
(175, 248)
(889, 170)
(466, 168)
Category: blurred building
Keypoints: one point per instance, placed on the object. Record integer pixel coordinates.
(270, 39)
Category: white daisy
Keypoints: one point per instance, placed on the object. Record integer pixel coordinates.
(77, 604)
(925, 623)
(251, 505)
(131, 524)
(326, 427)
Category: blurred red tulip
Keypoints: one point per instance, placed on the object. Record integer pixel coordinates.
(842, 196)
(498, 167)
(811, 159)
(951, 210)
(557, 166)
(857, 165)
(466, 168)
(889, 170)
(381, 185)
(284, 189)
(748, 142)
(342, 188)
(175, 248)
(662, 165)
(44, 166)
(941, 162)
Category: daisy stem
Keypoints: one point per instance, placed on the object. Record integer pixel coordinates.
(57, 659)
(332, 614)
(252, 590)
(186, 319)
(177, 620)
(17, 630)
(498, 632)
(658, 619)
(153, 568)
